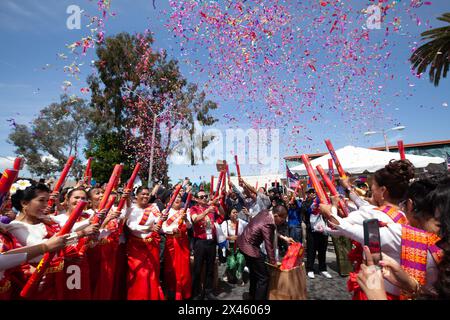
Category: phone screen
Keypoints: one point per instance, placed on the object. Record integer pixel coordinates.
(372, 238)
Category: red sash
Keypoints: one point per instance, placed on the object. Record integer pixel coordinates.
(149, 210)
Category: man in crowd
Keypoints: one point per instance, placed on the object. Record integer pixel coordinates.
(204, 215)
(316, 242)
(261, 229)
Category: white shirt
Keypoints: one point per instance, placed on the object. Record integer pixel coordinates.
(368, 212)
(169, 229)
(28, 234)
(136, 214)
(228, 228)
(62, 219)
(391, 244)
(262, 203)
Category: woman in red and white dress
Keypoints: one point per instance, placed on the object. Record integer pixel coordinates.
(74, 262)
(177, 273)
(32, 227)
(143, 249)
(13, 256)
(107, 250)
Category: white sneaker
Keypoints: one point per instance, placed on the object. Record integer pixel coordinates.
(246, 269)
(311, 275)
(326, 274)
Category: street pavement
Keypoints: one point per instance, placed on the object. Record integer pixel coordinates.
(318, 288)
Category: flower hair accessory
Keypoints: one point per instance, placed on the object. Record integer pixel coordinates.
(19, 185)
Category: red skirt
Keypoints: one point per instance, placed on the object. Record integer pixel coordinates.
(107, 249)
(120, 275)
(52, 284)
(77, 280)
(177, 273)
(143, 270)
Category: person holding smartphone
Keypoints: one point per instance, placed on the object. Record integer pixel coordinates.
(405, 244)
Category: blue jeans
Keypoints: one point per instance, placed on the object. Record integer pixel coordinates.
(295, 232)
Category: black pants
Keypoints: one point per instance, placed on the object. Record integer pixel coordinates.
(204, 252)
(259, 277)
(316, 242)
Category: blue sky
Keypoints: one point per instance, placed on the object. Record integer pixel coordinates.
(34, 32)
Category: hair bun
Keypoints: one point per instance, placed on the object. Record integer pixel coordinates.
(402, 169)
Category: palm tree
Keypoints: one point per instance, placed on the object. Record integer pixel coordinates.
(435, 53)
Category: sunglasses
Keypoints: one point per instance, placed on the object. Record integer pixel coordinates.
(202, 197)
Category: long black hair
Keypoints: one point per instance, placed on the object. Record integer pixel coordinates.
(420, 192)
(441, 204)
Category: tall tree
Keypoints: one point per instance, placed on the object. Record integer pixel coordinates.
(141, 96)
(53, 136)
(435, 53)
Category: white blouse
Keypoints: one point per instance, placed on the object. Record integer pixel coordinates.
(28, 234)
(169, 229)
(391, 244)
(135, 216)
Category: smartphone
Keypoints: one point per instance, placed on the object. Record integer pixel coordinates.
(372, 238)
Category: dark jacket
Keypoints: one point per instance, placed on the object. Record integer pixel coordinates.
(306, 212)
(260, 229)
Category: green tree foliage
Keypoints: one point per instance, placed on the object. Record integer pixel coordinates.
(134, 83)
(54, 135)
(435, 53)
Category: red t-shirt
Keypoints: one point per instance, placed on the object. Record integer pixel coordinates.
(200, 225)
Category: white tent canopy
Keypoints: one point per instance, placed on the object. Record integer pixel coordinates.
(359, 160)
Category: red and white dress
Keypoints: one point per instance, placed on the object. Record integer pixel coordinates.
(52, 284)
(143, 255)
(177, 272)
(106, 250)
(76, 272)
(7, 274)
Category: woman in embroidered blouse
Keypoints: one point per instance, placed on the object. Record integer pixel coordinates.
(440, 200)
(396, 238)
(388, 189)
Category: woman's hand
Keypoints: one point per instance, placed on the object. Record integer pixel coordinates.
(91, 230)
(335, 200)
(126, 194)
(55, 197)
(56, 242)
(325, 210)
(101, 214)
(345, 182)
(156, 227)
(370, 279)
(114, 214)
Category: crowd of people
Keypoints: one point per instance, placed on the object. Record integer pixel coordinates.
(148, 252)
